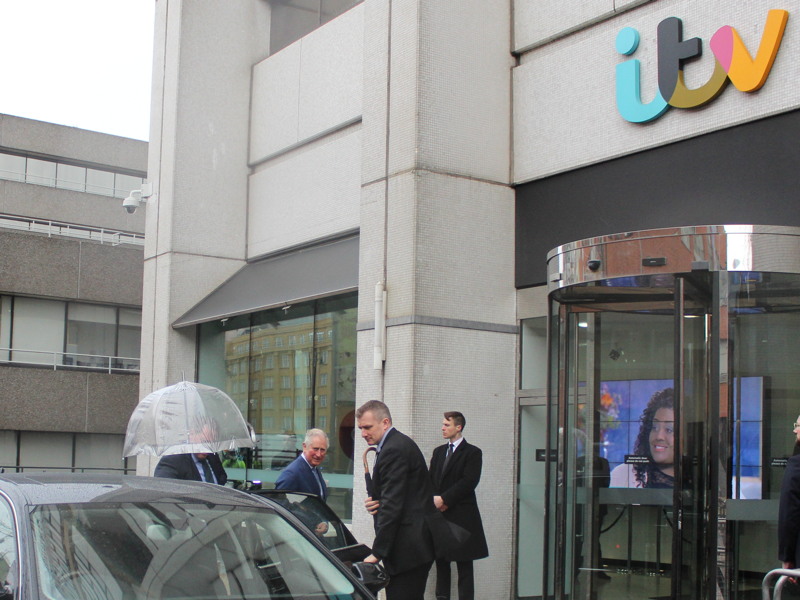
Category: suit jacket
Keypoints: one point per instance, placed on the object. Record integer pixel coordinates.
(299, 477)
(181, 466)
(789, 513)
(403, 538)
(456, 485)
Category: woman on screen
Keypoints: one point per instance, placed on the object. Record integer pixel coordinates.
(656, 442)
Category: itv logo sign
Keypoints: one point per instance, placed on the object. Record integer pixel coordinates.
(733, 62)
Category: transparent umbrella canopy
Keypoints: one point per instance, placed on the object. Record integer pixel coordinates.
(186, 418)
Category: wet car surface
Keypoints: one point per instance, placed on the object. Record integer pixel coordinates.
(130, 538)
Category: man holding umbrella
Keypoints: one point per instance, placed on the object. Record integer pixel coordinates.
(198, 466)
(401, 503)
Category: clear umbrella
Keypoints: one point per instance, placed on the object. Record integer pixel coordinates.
(186, 417)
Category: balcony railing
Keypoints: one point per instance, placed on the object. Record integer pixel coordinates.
(56, 228)
(68, 361)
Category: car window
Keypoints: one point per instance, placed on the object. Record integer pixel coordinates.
(8, 546)
(178, 550)
(316, 516)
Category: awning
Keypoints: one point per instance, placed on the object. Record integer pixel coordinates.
(302, 275)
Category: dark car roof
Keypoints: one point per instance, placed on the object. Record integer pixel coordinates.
(60, 488)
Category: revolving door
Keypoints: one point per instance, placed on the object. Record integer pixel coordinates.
(673, 388)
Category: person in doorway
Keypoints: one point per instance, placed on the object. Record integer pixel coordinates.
(402, 499)
(199, 466)
(455, 471)
(656, 442)
(789, 509)
(303, 473)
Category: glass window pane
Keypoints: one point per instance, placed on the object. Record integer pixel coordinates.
(69, 177)
(98, 453)
(12, 167)
(8, 545)
(99, 182)
(534, 354)
(124, 184)
(40, 172)
(129, 340)
(41, 451)
(8, 450)
(292, 396)
(91, 335)
(5, 326)
(38, 331)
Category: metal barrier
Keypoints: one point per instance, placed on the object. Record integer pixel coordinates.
(69, 360)
(72, 230)
(782, 575)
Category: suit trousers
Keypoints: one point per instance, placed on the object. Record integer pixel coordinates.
(408, 585)
(466, 581)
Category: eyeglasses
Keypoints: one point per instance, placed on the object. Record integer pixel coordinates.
(795, 426)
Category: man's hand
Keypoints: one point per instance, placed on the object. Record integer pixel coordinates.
(372, 559)
(321, 528)
(372, 508)
(439, 503)
(790, 565)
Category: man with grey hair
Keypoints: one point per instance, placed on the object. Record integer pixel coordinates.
(303, 473)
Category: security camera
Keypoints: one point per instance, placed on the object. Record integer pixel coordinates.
(593, 264)
(132, 202)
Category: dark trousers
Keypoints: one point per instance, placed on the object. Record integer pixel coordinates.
(408, 585)
(466, 581)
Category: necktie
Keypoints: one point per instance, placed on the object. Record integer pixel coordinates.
(208, 475)
(320, 483)
(449, 454)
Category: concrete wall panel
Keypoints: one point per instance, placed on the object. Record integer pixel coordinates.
(310, 193)
(71, 401)
(310, 87)
(565, 113)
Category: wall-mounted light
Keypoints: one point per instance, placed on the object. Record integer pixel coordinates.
(379, 345)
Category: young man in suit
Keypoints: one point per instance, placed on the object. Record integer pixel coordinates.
(303, 474)
(401, 503)
(455, 472)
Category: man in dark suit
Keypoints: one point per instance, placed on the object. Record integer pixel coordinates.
(303, 474)
(789, 511)
(195, 467)
(401, 502)
(456, 471)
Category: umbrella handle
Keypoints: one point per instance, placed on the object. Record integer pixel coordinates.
(366, 464)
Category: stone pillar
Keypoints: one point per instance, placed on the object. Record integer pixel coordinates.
(437, 225)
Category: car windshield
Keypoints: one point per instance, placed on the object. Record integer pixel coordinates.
(137, 551)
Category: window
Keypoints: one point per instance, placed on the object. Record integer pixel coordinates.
(292, 340)
(99, 182)
(40, 172)
(91, 334)
(323, 422)
(282, 416)
(8, 543)
(12, 167)
(52, 173)
(69, 177)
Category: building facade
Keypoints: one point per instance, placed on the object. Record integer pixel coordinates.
(540, 214)
(70, 295)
